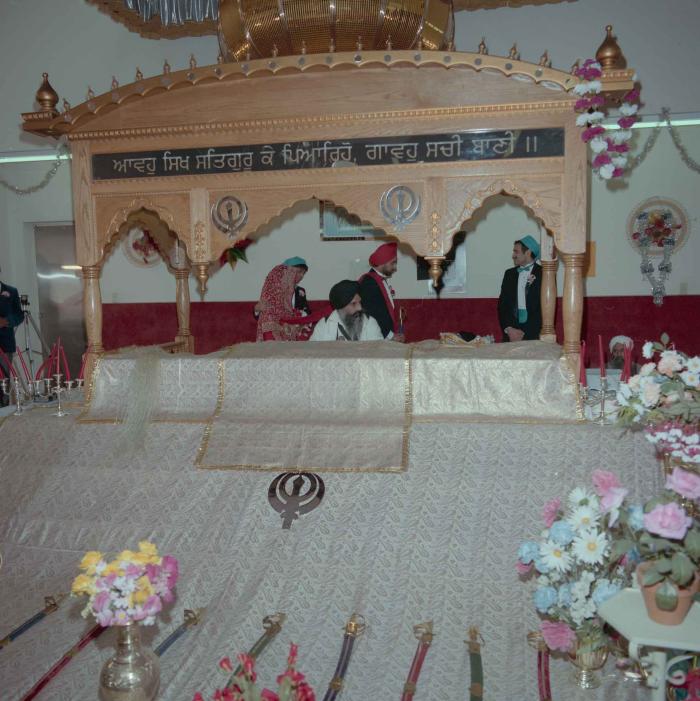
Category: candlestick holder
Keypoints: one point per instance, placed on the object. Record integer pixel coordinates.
(18, 397)
(59, 388)
(5, 386)
(597, 397)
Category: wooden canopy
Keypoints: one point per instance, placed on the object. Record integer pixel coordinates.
(412, 142)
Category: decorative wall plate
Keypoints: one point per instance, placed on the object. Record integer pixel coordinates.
(141, 248)
(657, 220)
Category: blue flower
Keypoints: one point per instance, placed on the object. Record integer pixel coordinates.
(564, 595)
(561, 532)
(603, 591)
(541, 565)
(636, 517)
(545, 598)
(528, 551)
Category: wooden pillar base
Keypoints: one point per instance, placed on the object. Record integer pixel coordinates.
(549, 300)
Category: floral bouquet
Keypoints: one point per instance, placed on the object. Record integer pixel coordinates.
(292, 685)
(665, 398)
(131, 588)
(575, 564)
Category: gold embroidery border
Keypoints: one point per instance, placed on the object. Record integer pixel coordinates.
(405, 442)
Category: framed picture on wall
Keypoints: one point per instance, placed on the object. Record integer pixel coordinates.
(337, 224)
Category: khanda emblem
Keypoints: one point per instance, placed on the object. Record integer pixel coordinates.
(295, 493)
(229, 214)
(399, 206)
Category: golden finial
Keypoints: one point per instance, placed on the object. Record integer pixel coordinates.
(388, 43)
(609, 54)
(166, 67)
(303, 47)
(331, 46)
(90, 94)
(66, 105)
(139, 75)
(46, 96)
(575, 66)
(193, 62)
(514, 55)
(544, 59)
(482, 47)
(115, 83)
(358, 46)
(275, 51)
(220, 58)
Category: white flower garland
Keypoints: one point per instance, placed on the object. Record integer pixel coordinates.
(611, 151)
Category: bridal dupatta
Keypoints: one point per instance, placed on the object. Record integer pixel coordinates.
(276, 302)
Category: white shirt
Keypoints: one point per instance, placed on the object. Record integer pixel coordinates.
(328, 329)
(523, 276)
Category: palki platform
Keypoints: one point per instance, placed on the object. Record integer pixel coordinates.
(436, 462)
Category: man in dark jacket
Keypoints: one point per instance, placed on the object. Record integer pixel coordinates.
(11, 316)
(519, 310)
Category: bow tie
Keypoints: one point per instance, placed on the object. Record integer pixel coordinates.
(523, 268)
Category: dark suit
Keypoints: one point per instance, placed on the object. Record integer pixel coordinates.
(10, 309)
(375, 304)
(508, 304)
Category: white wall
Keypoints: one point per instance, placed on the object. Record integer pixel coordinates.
(81, 46)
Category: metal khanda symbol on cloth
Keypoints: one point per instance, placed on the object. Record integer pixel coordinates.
(294, 503)
(222, 214)
(399, 206)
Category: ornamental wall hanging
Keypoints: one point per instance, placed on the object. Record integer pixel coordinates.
(141, 248)
(657, 227)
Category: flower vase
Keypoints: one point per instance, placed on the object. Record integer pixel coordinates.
(588, 662)
(133, 673)
(672, 617)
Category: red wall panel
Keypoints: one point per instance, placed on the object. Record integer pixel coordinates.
(217, 324)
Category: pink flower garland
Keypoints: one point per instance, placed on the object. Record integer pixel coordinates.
(611, 152)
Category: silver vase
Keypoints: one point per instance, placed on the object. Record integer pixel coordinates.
(587, 664)
(133, 674)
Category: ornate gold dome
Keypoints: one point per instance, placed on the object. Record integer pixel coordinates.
(264, 28)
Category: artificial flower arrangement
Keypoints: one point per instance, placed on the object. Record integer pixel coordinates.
(292, 685)
(611, 152)
(576, 566)
(235, 253)
(664, 398)
(131, 588)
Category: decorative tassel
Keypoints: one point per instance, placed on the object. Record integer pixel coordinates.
(476, 689)
(92, 634)
(536, 641)
(192, 618)
(51, 604)
(272, 625)
(353, 629)
(424, 633)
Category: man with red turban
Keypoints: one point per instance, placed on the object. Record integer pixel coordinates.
(376, 292)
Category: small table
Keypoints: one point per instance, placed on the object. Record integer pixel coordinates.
(627, 613)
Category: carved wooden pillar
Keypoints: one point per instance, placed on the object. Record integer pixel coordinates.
(435, 270)
(548, 300)
(182, 297)
(92, 310)
(573, 301)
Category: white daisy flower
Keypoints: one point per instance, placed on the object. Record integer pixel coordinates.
(648, 350)
(693, 364)
(581, 495)
(692, 379)
(584, 518)
(555, 556)
(590, 547)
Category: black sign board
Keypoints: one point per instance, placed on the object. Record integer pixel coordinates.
(388, 150)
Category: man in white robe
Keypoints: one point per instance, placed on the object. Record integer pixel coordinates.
(347, 321)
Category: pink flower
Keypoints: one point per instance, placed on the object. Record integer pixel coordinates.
(267, 695)
(153, 605)
(601, 159)
(626, 122)
(305, 693)
(685, 483)
(225, 664)
(611, 501)
(101, 601)
(591, 133)
(632, 96)
(604, 481)
(618, 172)
(225, 694)
(668, 521)
(198, 697)
(558, 636)
(293, 653)
(248, 664)
(105, 617)
(523, 569)
(550, 510)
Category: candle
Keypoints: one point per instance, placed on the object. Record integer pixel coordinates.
(8, 363)
(58, 355)
(48, 362)
(582, 365)
(82, 366)
(2, 377)
(65, 363)
(24, 366)
(601, 356)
